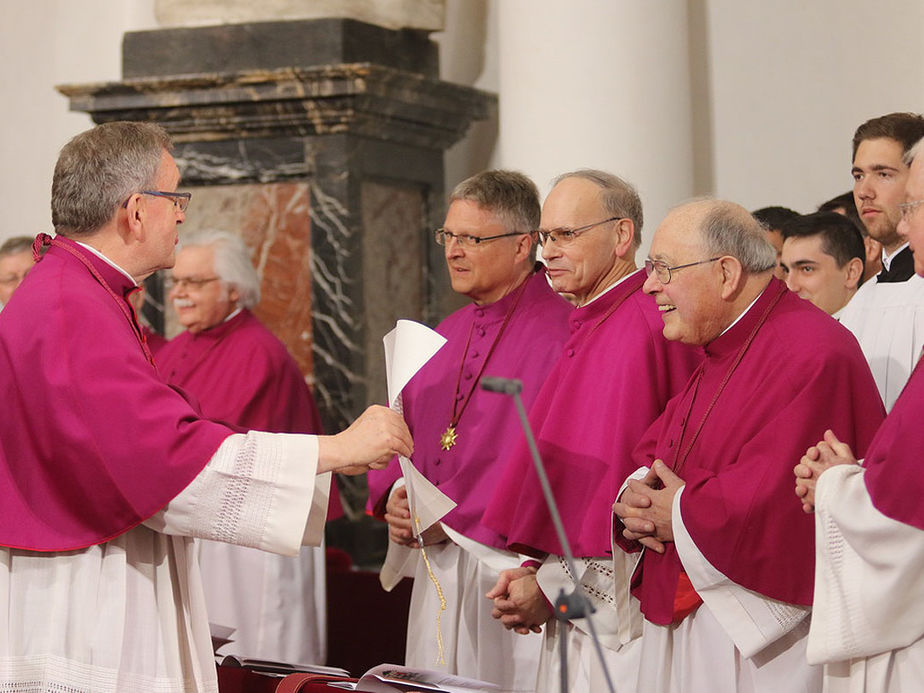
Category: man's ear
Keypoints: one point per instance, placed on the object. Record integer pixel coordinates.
(625, 234)
(853, 273)
(732, 275)
(525, 246)
(134, 216)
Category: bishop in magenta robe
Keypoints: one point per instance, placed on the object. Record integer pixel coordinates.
(734, 444)
(735, 575)
(241, 374)
(468, 471)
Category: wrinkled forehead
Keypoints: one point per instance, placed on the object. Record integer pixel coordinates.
(678, 237)
(194, 259)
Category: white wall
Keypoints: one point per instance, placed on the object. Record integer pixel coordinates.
(44, 43)
(775, 91)
(791, 81)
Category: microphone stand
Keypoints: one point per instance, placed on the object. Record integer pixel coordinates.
(570, 605)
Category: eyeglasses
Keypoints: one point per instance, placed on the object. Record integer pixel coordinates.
(664, 272)
(443, 237)
(908, 208)
(564, 236)
(192, 282)
(180, 199)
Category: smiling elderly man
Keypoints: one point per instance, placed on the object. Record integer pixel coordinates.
(725, 581)
(241, 374)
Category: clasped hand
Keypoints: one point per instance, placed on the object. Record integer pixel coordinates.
(816, 460)
(518, 602)
(645, 507)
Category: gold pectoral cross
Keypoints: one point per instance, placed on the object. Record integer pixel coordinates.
(448, 439)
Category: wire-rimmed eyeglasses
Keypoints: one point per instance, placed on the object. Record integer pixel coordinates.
(180, 199)
(908, 208)
(661, 268)
(563, 236)
(442, 237)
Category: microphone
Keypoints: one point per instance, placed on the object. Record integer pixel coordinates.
(506, 386)
(572, 605)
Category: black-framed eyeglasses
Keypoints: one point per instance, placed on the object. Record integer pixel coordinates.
(180, 199)
(908, 208)
(192, 282)
(563, 236)
(442, 237)
(660, 268)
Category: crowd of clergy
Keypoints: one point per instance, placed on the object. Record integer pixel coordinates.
(728, 432)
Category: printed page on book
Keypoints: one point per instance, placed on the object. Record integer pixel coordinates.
(387, 678)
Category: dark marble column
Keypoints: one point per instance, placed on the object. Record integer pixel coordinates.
(321, 142)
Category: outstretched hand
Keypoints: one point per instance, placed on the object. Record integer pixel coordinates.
(369, 443)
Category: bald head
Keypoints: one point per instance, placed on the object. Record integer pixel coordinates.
(710, 260)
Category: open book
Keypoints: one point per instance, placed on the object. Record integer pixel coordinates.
(388, 678)
(267, 666)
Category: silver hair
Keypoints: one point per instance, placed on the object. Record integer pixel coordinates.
(232, 262)
(729, 229)
(99, 169)
(912, 153)
(618, 197)
(16, 245)
(509, 195)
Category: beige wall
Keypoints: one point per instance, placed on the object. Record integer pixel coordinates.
(43, 44)
(762, 115)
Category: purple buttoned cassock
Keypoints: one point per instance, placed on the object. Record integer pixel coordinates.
(614, 378)
(92, 441)
(489, 426)
(801, 373)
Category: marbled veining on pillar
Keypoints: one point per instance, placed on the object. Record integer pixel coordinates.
(273, 220)
(393, 252)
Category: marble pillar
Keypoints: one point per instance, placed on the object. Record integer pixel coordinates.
(321, 142)
(606, 85)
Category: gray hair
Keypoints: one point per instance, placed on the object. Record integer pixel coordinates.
(99, 169)
(232, 262)
(618, 197)
(16, 245)
(729, 229)
(510, 195)
(915, 149)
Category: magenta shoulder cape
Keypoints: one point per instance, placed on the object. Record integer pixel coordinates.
(803, 373)
(489, 426)
(612, 380)
(894, 473)
(92, 441)
(241, 374)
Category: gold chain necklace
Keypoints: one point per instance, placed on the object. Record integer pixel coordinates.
(449, 437)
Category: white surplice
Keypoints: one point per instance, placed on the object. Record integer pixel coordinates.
(868, 618)
(605, 582)
(737, 641)
(888, 321)
(475, 645)
(129, 614)
(277, 604)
